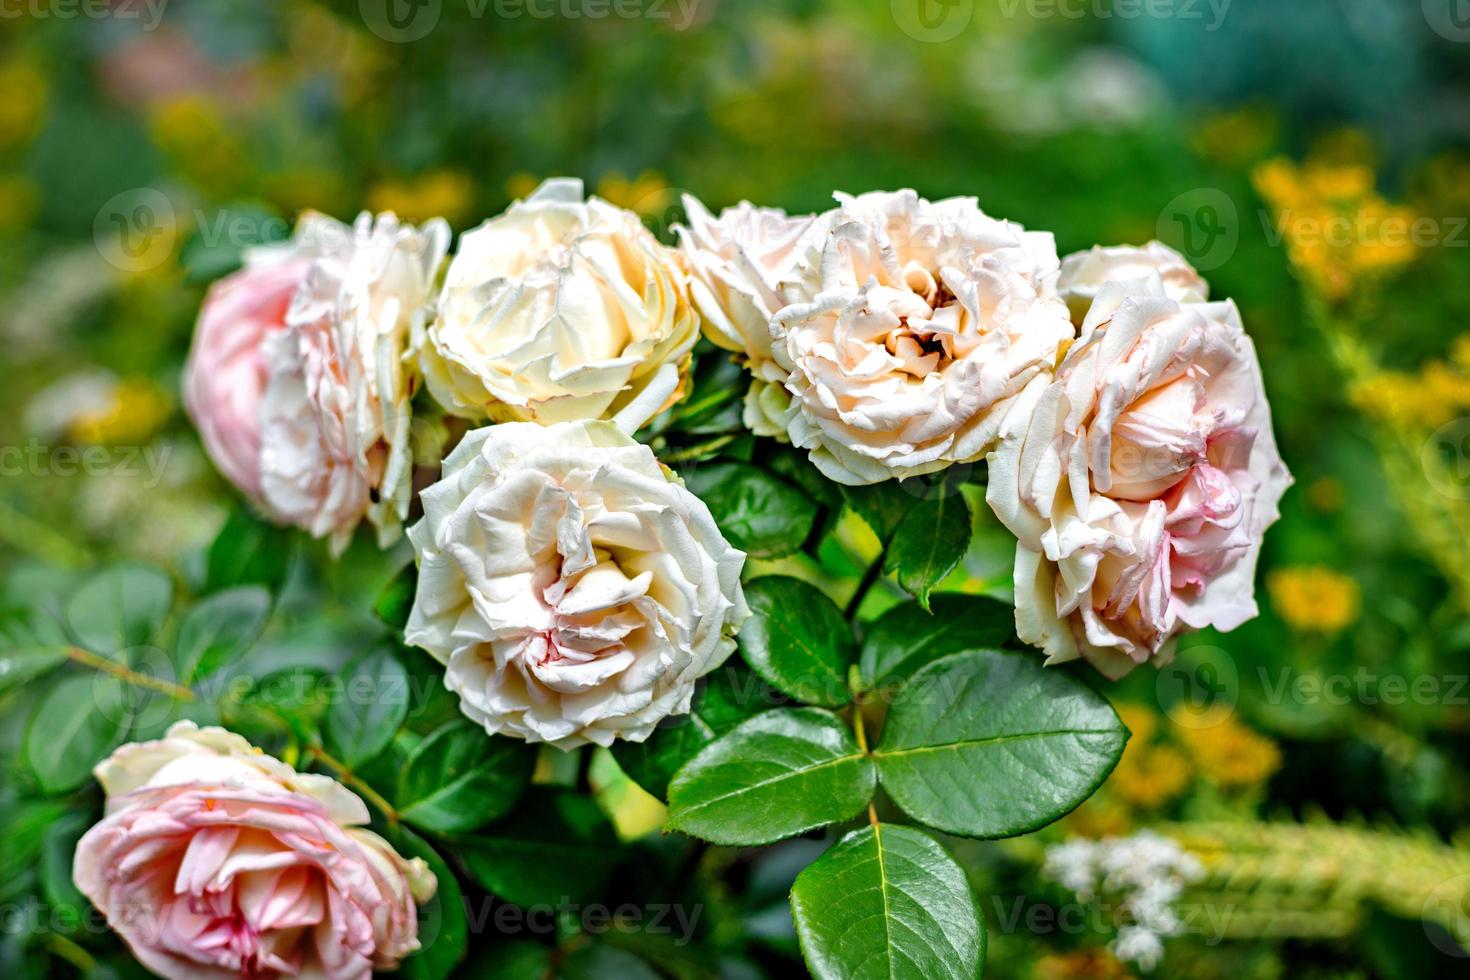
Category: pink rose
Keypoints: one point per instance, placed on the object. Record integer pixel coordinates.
(1140, 482)
(225, 376)
(216, 861)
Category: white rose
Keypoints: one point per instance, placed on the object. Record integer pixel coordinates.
(912, 326)
(737, 264)
(1084, 273)
(1140, 482)
(335, 415)
(561, 309)
(572, 588)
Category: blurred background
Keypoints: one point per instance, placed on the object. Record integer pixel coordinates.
(1310, 157)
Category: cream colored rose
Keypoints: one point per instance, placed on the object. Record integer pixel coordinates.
(1083, 273)
(217, 861)
(912, 326)
(737, 263)
(574, 590)
(335, 416)
(561, 309)
(1140, 482)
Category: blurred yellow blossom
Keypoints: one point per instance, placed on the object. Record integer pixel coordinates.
(1238, 137)
(647, 194)
(1150, 776)
(1336, 228)
(447, 194)
(1228, 752)
(1083, 964)
(521, 185)
(136, 410)
(1326, 494)
(204, 145)
(23, 108)
(306, 189)
(1314, 598)
(1140, 720)
(20, 199)
(1438, 393)
(1101, 816)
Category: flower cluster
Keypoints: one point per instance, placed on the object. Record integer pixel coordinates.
(1143, 874)
(573, 588)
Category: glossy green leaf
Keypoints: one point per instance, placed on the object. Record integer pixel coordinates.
(781, 773)
(247, 551)
(396, 600)
(443, 927)
(907, 636)
(797, 640)
(460, 778)
(555, 846)
(219, 630)
(760, 513)
(992, 744)
(888, 901)
(75, 725)
(882, 506)
(599, 961)
(724, 699)
(119, 607)
(32, 644)
(929, 542)
(367, 707)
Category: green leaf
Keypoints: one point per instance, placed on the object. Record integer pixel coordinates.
(556, 846)
(443, 928)
(781, 773)
(991, 744)
(368, 707)
(25, 827)
(31, 644)
(396, 600)
(760, 513)
(507, 958)
(57, 851)
(220, 630)
(599, 961)
(724, 699)
(928, 543)
(459, 778)
(797, 640)
(119, 607)
(907, 637)
(888, 901)
(75, 726)
(882, 506)
(247, 552)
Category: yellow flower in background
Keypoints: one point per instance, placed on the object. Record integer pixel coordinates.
(1228, 752)
(447, 194)
(305, 189)
(647, 194)
(1336, 228)
(20, 200)
(1237, 137)
(1314, 598)
(135, 412)
(521, 185)
(1140, 719)
(1150, 776)
(204, 145)
(1100, 816)
(1326, 494)
(23, 109)
(1084, 964)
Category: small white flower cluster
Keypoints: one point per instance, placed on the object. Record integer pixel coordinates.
(1144, 874)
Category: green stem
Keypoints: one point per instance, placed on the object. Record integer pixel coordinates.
(356, 782)
(123, 673)
(869, 579)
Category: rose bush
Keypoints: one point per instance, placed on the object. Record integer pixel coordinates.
(560, 309)
(215, 860)
(573, 589)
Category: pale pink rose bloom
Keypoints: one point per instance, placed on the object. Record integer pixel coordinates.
(216, 861)
(1085, 273)
(1140, 482)
(225, 375)
(336, 417)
